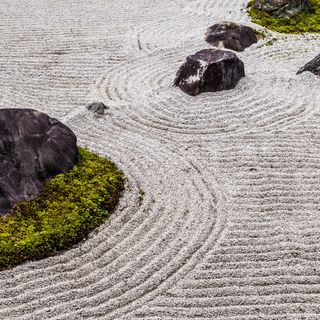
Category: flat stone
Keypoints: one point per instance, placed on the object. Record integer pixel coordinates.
(33, 148)
(209, 70)
(312, 66)
(282, 8)
(97, 107)
(231, 36)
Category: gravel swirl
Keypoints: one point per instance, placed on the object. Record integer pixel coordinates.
(229, 224)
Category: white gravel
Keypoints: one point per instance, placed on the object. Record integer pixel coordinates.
(229, 225)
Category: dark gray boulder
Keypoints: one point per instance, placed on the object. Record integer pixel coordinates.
(97, 107)
(209, 70)
(33, 149)
(312, 66)
(231, 36)
(282, 8)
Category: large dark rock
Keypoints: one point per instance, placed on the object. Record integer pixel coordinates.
(230, 35)
(282, 8)
(33, 149)
(312, 66)
(209, 70)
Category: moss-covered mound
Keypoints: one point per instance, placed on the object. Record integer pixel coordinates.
(301, 23)
(68, 207)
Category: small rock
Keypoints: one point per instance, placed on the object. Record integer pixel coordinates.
(282, 8)
(231, 36)
(33, 149)
(97, 107)
(312, 66)
(209, 70)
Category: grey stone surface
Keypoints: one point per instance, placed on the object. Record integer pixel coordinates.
(312, 66)
(209, 70)
(282, 8)
(230, 35)
(97, 107)
(33, 149)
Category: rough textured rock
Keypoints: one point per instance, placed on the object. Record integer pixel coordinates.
(230, 35)
(282, 8)
(209, 70)
(97, 107)
(312, 66)
(33, 149)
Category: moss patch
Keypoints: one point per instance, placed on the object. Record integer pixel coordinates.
(68, 207)
(141, 196)
(301, 23)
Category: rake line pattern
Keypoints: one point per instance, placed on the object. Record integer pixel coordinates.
(228, 228)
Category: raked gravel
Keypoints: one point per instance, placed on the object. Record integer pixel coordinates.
(229, 226)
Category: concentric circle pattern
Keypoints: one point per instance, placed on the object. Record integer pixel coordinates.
(220, 218)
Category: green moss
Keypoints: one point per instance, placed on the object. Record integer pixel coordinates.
(68, 207)
(141, 196)
(271, 42)
(259, 33)
(301, 23)
(268, 43)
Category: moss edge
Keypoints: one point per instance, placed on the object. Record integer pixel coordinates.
(301, 23)
(67, 209)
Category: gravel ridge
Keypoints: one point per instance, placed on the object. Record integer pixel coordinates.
(229, 225)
